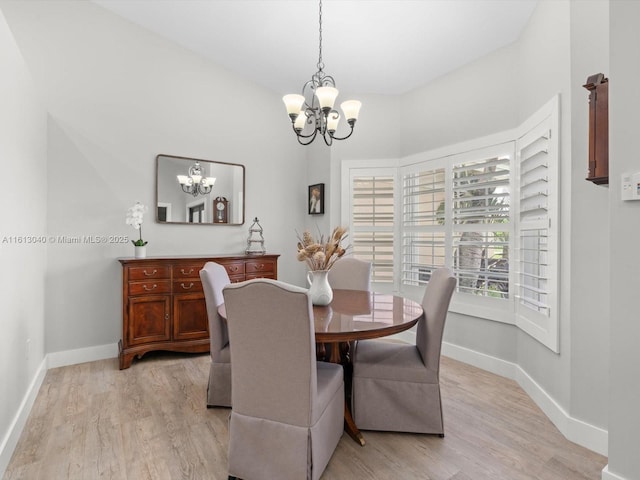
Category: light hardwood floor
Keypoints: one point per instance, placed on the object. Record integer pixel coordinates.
(94, 421)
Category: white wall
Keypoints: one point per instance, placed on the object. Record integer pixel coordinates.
(563, 43)
(23, 210)
(474, 101)
(118, 96)
(589, 225)
(544, 71)
(624, 256)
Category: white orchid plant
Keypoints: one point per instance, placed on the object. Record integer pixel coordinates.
(134, 218)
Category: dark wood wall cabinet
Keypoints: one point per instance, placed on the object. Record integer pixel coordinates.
(163, 306)
(598, 87)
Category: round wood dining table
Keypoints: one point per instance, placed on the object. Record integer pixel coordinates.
(357, 315)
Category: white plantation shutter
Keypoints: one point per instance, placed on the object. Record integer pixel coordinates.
(537, 174)
(481, 221)
(423, 222)
(456, 213)
(372, 221)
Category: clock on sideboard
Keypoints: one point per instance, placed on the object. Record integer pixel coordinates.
(220, 210)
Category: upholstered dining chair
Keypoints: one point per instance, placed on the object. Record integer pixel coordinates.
(214, 278)
(288, 409)
(350, 273)
(396, 386)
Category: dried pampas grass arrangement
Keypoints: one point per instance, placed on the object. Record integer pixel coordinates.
(321, 255)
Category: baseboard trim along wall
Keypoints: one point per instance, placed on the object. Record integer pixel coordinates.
(10, 440)
(607, 475)
(82, 355)
(584, 434)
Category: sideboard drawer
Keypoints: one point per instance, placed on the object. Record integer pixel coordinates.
(149, 272)
(253, 267)
(186, 271)
(187, 286)
(234, 268)
(150, 287)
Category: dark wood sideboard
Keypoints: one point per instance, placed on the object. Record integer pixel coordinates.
(163, 306)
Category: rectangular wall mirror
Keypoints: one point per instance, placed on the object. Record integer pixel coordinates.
(199, 192)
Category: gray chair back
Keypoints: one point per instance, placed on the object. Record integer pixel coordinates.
(214, 278)
(350, 273)
(435, 304)
(273, 356)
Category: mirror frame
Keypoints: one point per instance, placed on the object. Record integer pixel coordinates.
(244, 182)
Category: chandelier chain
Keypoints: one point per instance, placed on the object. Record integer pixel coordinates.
(320, 63)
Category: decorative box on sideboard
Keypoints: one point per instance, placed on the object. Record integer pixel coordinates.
(163, 306)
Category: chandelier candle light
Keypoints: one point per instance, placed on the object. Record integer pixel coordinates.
(315, 106)
(194, 183)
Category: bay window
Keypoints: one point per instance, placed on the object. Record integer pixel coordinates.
(487, 209)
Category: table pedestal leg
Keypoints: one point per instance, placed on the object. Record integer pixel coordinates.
(321, 352)
(340, 353)
(350, 426)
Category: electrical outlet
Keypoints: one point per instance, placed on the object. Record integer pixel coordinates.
(630, 186)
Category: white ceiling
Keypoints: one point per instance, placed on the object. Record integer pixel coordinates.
(369, 46)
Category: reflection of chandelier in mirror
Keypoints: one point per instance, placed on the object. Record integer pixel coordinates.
(315, 106)
(195, 183)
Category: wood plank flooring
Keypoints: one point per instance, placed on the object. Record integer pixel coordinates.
(150, 421)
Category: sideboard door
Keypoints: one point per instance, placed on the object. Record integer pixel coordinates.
(149, 319)
(190, 321)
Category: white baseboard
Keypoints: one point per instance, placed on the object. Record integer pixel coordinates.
(589, 436)
(12, 436)
(82, 355)
(607, 475)
(480, 360)
(584, 434)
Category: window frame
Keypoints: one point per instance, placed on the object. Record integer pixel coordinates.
(497, 309)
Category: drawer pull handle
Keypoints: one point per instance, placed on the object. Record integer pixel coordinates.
(260, 267)
(185, 287)
(186, 273)
(166, 316)
(233, 269)
(150, 274)
(149, 289)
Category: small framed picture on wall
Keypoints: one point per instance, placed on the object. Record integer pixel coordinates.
(316, 199)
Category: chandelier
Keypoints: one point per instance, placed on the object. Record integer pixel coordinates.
(315, 106)
(194, 183)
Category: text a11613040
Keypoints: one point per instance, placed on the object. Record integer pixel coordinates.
(63, 239)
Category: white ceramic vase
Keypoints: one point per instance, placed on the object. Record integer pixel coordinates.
(140, 252)
(319, 288)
